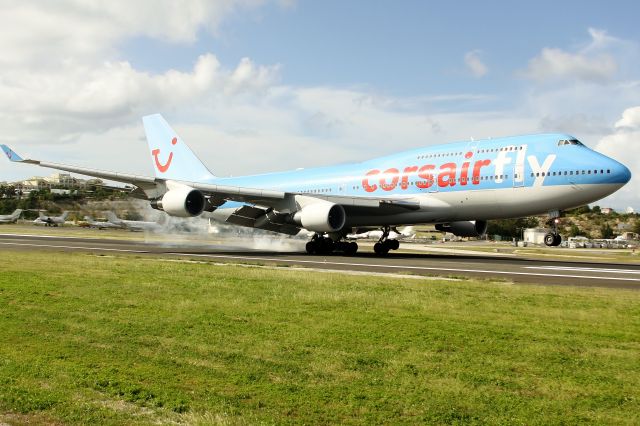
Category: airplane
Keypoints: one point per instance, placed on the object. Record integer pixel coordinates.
(51, 220)
(394, 234)
(133, 225)
(457, 186)
(100, 224)
(11, 218)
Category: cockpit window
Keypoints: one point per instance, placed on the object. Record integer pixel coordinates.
(569, 142)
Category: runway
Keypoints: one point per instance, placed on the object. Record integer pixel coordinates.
(513, 269)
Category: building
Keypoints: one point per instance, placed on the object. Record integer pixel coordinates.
(33, 183)
(606, 210)
(535, 235)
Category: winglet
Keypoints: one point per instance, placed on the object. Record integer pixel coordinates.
(11, 155)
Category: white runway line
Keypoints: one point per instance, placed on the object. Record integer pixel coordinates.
(578, 269)
(74, 247)
(424, 268)
(326, 263)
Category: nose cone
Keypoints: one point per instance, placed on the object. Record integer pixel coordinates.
(622, 173)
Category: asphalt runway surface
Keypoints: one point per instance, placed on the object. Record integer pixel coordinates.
(513, 269)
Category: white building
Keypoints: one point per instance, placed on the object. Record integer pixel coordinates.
(535, 235)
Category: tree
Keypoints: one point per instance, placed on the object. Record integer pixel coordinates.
(578, 211)
(574, 231)
(606, 231)
(596, 210)
(511, 228)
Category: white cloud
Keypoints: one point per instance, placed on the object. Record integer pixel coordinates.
(554, 64)
(590, 63)
(623, 144)
(474, 63)
(44, 32)
(630, 120)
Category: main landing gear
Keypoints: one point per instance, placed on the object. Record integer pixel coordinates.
(553, 238)
(384, 244)
(325, 245)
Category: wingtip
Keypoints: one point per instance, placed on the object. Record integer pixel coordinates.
(11, 155)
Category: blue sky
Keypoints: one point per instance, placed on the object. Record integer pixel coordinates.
(279, 84)
(414, 48)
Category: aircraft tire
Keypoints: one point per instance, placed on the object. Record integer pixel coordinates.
(557, 240)
(393, 244)
(311, 247)
(550, 239)
(380, 249)
(350, 248)
(324, 246)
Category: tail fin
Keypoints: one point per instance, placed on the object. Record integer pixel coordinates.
(64, 215)
(171, 157)
(16, 214)
(112, 217)
(408, 231)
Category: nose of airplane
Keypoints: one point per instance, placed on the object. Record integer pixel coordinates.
(622, 173)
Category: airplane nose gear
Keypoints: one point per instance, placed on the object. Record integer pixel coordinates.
(553, 239)
(384, 244)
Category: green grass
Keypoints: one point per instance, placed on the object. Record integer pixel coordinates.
(122, 340)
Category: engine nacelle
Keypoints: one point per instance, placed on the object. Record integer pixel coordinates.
(321, 217)
(182, 202)
(465, 228)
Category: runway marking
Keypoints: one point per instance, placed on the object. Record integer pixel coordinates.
(577, 269)
(426, 268)
(317, 262)
(44, 236)
(75, 247)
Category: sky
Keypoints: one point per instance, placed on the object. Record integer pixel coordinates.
(255, 86)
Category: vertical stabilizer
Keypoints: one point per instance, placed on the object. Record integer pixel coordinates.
(171, 157)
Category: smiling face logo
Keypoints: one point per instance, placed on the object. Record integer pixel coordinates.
(163, 167)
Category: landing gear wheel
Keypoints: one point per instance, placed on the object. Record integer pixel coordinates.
(380, 249)
(350, 248)
(393, 244)
(550, 239)
(311, 247)
(557, 240)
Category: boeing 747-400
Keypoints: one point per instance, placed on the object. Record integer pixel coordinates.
(457, 186)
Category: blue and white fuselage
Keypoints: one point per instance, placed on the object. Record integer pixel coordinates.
(478, 180)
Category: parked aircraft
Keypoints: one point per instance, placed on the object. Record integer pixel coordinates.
(11, 218)
(133, 225)
(51, 220)
(394, 235)
(457, 186)
(100, 224)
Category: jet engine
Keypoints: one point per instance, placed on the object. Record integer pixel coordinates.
(321, 217)
(465, 228)
(182, 202)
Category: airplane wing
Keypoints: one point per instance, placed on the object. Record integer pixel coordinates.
(152, 187)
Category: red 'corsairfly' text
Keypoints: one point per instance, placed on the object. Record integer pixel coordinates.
(425, 176)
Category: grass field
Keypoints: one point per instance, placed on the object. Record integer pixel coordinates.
(120, 340)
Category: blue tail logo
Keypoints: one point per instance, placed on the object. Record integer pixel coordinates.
(171, 157)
